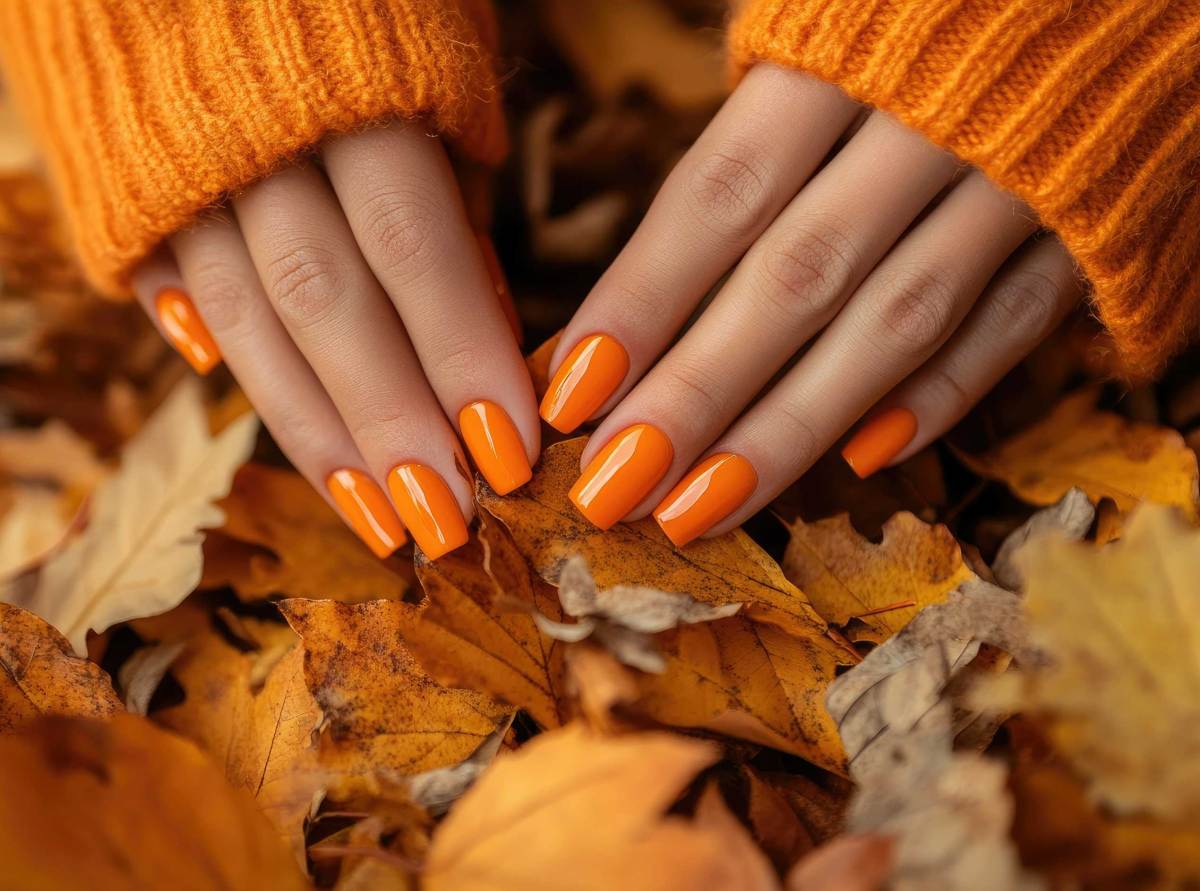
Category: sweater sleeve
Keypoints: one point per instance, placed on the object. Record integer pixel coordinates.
(149, 111)
(1089, 110)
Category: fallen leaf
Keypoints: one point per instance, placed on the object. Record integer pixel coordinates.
(851, 863)
(122, 804)
(1102, 453)
(882, 586)
(743, 857)
(36, 523)
(41, 675)
(140, 553)
(294, 544)
(599, 685)
(1072, 518)
(384, 713)
(572, 810)
(53, 453)
(143, 672)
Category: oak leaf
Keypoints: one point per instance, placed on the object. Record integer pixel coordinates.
(41, 675)
(572, 810)
(123, 804)
(882, 586)
(1102, 453)
(141, 551)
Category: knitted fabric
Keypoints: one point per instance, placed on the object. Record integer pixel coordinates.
(151, 110)
(1089, 110)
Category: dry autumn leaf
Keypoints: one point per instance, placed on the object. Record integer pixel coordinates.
(882, 586)
(135, 807)
(40, 675)
(1104, 454)
(140, 553)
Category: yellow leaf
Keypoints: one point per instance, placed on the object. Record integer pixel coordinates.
(141, 553)
(572, 810)
(40, 675)
(122, 804)
(1104, 454)
(383, 711)
(880, 585)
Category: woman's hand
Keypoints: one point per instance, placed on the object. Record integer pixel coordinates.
(356, 309)
(900, 286)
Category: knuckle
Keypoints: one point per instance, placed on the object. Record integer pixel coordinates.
(808, 269)
(379, 417)
(221, 294)
(693, 389)
(795, 430)
(947, 393)
(303, 281)
(729, 190)
(400, 229)
(916, 311)
(1025, 304)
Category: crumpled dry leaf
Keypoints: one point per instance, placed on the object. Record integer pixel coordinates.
(41, 675)
(122, 804)
(1123, 625)
(1071, 518)
(280, 537)
(624, 617)
(142, 672)
(1102, 453)
(572, 810)
(140, 553)
(882, 586)
(382, 711)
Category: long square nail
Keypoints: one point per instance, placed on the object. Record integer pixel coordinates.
(428, 508)
(366, 510)
(622, 474)
(710, 492)
(493, 441)
(584, 382)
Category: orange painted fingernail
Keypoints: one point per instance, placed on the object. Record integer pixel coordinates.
(583, 383)
(500, 283)
(428, 508)
(879, 441)
(367, 510)
(495, 445)
(186, 330)
(622, 474)
(710, 492)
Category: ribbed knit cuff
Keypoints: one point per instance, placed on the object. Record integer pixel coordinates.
(150, 111)
(1089, 110)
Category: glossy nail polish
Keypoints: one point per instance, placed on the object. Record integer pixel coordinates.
(366, 510)
(495, 445)
(622, 474)
(880, 440)
(587, 377)
(710, 492)
(186, 330)
(428, 509)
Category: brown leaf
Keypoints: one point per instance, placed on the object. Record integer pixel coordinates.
(852, 863)
(382, 710)
(572, 810)
(294, 544)
(41, 675)
(122, 804)
(1072, 517)
(881, 586)
(1104, 454)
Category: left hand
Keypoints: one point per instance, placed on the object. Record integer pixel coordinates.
(898, 283)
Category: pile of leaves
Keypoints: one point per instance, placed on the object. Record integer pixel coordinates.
(978, 670)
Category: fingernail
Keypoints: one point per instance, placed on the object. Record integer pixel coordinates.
(495, 445)
(428, 508)
(879, 441)
(367, 510)
(622, 474)
(710, 492)
(585, 380)
(186, 330)
(500, 283)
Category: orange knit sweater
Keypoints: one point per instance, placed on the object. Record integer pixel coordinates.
(151, 110)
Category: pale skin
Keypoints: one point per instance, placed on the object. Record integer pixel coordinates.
(355, 309)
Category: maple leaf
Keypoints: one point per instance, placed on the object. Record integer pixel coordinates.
(881, 586)
(141, 551)
(1102, 453)
(310, 552)
(41, 675)
(123, 804)
(572, 810)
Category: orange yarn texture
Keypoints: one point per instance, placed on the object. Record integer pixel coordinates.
(150, 111)
(1089, 110)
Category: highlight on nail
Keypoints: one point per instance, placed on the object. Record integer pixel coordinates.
(495, 445)
(589, 375)
(707, 494)
(428, 509)
(879, 441)
(366, 510)
(186, 330)
(624, 472)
